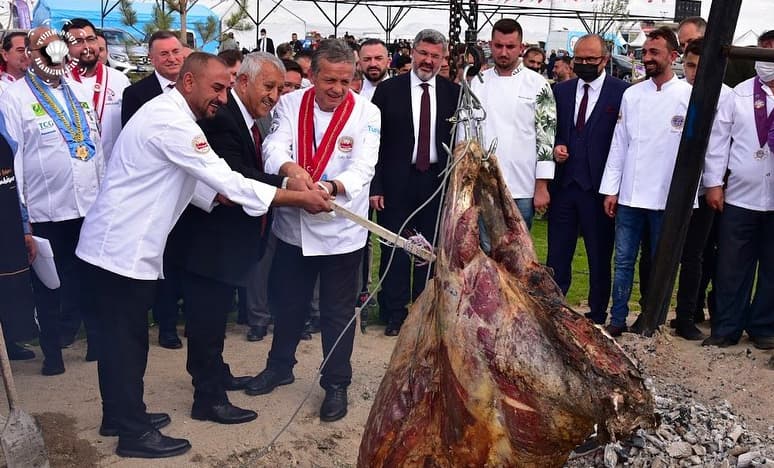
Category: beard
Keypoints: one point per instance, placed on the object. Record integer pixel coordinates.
(88, 63)
(375, 74)
(655, 70)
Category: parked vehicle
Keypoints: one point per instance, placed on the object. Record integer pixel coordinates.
(125, 53)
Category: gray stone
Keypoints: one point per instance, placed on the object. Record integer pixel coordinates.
(746, 459)
(738, 450)
(699, 450)
(694, 460)
(679, 450)
(691, 438)
(611, 457)
(735, 432)
(659, 462)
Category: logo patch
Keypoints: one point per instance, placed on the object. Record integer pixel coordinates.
(677, 122)
(85, 105)
(274, 126)
(200, 144)
(345, 144)
(38, 110)
(373, 129)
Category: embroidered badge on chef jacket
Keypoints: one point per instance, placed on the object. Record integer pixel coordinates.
(38, 110)
(677, 122)
(200, 144)
(345, 144)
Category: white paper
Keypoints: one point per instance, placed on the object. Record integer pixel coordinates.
(44, 263)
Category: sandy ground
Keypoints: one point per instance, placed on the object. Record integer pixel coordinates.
(68, 406)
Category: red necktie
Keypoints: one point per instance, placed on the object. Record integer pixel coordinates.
(257, 139)
(581, 122)
(423, 150)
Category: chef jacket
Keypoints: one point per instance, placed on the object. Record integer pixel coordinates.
(352, 163)
(645, 143)
(156, 162)
(734, 146)
(521, 115)
(54, 185)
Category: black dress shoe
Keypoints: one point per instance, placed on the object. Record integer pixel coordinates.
(596, 318)
(763, 342)
(267, 381)
(152, 444)
(334, 406)
(66, 341)
(108, 428)
(306, 336)
(392, 330)
(170, 342)
(236, 383)
(17, 352)
(52, 368)
(689, 331)
(222, 413)
(313, 325)
(615, 330)
(256, 333)
(719, 341)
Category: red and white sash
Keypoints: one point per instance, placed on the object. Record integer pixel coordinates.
(100, 88)
(315, 160)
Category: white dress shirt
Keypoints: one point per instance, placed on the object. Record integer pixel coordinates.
(416, 107)
(54, 185)
(595, 89)
(369, 87)
(164, 83)
(510, 105)
(645, 143)
(249, 120)
(734, 146)
(109, 106)
(150, 179)
(354, 168)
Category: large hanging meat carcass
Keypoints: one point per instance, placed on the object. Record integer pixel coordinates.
(491, 368)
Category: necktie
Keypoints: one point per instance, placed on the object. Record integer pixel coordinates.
(259, 160)
(257, 139)
(581, 122)
(263, 45)
(423, 148)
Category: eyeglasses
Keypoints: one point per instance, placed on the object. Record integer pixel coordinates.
(589, 60)
(83, 40)
(425, 54)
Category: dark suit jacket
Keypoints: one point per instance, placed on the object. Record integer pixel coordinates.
(598, 129)
(393, 98)
(225, 243)
(138, 94)
(269, 45)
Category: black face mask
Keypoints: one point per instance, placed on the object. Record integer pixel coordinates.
(586, 71)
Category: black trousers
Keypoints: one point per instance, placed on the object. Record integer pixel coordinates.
(69, 300)
(691, 262)
(165, 304)
(121, 306)
(398, 290)
(744, 245)
(208, 303)
(295, 277)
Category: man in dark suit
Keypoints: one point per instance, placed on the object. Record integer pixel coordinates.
(587, 111)
(410, 159)
(215, 251)
(265, 44)
(166, 54)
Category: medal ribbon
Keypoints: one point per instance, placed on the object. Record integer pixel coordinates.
(315, 160)
(99, 89)
(763, 121)
(73, 125)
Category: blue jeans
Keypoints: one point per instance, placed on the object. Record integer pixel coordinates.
(629, 226)
(526, 207)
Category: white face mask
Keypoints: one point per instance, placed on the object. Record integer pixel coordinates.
(765, 70)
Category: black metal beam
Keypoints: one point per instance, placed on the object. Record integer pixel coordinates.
(690, 161)
(749, 53)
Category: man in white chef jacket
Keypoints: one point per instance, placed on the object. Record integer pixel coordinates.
(640, 163)
(743, 148)
(106, 84)
(157, 161)
(59, 165)
(333, 134)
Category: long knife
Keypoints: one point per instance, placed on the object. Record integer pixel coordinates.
(411, 247)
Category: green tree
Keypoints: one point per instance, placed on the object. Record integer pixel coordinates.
(208, 31)
(162, 20)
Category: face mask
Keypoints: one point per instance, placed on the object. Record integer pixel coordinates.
(765, 70)
(586, 71)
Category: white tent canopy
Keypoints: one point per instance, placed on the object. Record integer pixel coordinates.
(750, 38)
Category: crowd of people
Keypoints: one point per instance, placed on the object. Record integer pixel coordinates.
(214, 177)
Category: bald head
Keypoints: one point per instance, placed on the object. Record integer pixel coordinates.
(204, 80)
